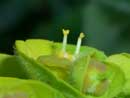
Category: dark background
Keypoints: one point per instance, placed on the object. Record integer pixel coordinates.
(106, 23)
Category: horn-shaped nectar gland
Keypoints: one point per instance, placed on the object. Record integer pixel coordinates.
(79, 41)
(65, 33)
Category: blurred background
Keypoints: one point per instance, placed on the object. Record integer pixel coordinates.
(106, 23)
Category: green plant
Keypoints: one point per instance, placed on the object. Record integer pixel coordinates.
(74, 71)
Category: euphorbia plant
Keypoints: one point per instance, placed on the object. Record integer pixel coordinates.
(76, 71)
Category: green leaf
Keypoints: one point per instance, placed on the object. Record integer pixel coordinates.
(123, 61)
(11, 67)
(17, 88)
(35, 48)
(117, 83)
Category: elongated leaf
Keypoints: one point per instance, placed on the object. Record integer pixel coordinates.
(11, 67)
(17, 88)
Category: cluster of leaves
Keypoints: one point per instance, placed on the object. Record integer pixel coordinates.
(45, 71)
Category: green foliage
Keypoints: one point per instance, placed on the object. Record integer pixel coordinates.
(43, 71)
(17, 88)
(123, 61)
(90, 74)
(11, 67)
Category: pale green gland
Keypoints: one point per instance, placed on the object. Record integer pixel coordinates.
(58, 66)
